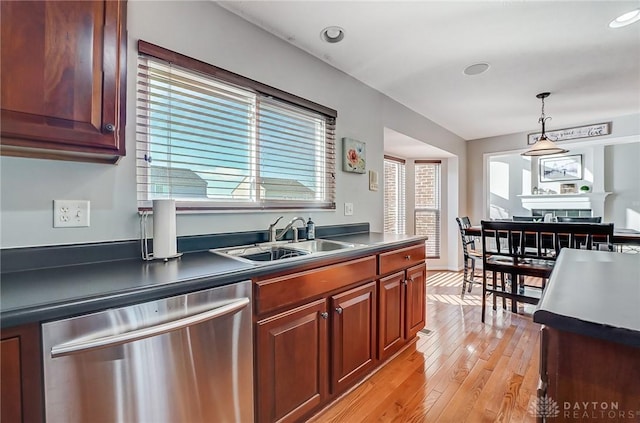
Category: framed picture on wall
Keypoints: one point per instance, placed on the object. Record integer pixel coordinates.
(563, 168)
(354, 156)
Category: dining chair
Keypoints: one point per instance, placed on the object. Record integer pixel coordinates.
(469, 253)
(522, 249)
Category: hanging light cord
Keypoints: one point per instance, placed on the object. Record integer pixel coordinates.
(543, 119)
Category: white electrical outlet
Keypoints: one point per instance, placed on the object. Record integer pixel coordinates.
(348, 209)
(70, 213)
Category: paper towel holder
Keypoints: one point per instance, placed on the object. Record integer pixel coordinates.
(144, 240)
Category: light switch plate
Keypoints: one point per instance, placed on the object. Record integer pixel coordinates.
(348, 209)
(70, 213)
(373, 180)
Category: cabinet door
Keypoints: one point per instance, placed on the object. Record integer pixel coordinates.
(21, 375)
(353, 335)
(63, 79)
(415, 300)
(11, 405)
(391, 315)
(292, 369)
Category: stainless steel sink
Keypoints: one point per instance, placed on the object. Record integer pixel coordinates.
(271, 251)
(320, 245)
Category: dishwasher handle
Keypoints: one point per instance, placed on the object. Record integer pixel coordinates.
(70, 348)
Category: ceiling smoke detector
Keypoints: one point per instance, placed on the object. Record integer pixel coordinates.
(476, 69)
(332, 34)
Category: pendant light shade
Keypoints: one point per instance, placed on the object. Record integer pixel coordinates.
(544, 146)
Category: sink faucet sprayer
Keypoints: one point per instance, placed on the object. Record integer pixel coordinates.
(272, 229)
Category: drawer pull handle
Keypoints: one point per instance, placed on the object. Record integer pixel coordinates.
(324, 315)
(339, 310)
(407, 257)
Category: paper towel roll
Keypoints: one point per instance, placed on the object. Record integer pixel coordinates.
(164, 229)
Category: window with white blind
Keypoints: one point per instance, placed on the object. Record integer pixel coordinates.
(212, 139)
(394, 195)
(427, 204)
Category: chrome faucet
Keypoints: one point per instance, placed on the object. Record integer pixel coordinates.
(290, 225)
(272, 230)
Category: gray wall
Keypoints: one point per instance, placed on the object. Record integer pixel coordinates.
(622, 178)
(208, 32)
(507, 178)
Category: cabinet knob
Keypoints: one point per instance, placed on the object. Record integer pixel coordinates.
(405, 281)
(339, 310)
(407, 257)
(324, 315)
(109, 127)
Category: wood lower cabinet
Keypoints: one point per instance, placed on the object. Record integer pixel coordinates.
(589, 379)
(292, 362)
(402, 309)
(63, 79)
(391, 314)
(353, 335)
(20, 375)
(415, 303)
(402, 291)
(315, 335)
(293, 352)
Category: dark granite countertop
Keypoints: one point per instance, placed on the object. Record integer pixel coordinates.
(594, 293)
(59, 292)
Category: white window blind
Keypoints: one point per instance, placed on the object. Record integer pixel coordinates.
(427, 204)
(211, 144)
(394, 196)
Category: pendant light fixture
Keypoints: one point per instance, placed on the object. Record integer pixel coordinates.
(543, 146)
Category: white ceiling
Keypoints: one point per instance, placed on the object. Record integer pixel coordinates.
(415, 52)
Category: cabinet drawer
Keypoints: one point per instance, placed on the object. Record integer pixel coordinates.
(401, 259)
(279, 292)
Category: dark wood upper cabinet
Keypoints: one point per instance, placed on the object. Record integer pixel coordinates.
(64, 79)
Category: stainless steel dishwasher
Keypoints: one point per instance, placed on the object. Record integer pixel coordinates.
(187, 358)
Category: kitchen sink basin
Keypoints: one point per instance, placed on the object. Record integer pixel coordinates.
(271, 251)
(321, 245)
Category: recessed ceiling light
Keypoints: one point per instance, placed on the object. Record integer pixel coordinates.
(476, 69)
(626, 19)
(332, 34)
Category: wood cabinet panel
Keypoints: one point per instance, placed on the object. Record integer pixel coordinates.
(11, 387)
(280, 292)
(63, 79)
(391, 315)
(415, 300)
(393, 261)
(292, 366)
(353, 335)
(21, 375)
(588, 376)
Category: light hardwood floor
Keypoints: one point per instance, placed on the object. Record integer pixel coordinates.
(461, 371)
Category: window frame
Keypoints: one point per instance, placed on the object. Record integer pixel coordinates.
(401, 225)
(265, 91)
(436, 210)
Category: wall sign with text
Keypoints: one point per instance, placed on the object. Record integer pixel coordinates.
(596, 130)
